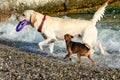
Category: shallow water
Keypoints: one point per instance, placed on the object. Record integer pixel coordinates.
(108, 35)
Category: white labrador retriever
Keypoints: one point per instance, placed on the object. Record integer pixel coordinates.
(53, 28)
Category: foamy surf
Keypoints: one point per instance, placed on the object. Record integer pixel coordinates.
(107, 35)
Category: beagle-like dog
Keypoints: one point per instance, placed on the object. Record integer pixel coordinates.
(76, 47)
(53, 28)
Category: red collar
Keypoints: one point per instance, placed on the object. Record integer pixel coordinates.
(41, 25)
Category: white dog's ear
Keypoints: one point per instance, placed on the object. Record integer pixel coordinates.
(33, 18)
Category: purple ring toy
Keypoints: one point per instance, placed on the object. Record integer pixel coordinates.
(21, 25)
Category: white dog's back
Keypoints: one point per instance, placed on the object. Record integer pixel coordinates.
(86, 28)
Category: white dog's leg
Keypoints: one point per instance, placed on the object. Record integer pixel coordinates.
(43, 43)
(40, 46)
(47, 41)
(92, 50)
(51, 47)
(99, 45)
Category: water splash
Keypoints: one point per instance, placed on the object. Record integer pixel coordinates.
(28, 34)
(109, 36)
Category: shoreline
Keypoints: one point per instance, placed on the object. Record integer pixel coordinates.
(17, 64)
(57, 8)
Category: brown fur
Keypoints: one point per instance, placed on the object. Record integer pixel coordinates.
(75, 47)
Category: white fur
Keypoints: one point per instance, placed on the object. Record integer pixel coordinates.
(55, 28)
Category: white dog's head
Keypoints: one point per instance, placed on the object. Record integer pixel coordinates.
(29, 15)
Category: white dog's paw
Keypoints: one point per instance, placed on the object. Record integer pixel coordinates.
(51, 51)
(105, 53)
(92, 51)
(41, 47)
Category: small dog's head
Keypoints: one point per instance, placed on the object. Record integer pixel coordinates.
(68, 37)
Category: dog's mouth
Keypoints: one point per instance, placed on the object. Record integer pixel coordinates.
(21, 25)
(22, 22)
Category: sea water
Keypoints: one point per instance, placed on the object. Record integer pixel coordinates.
(108, 34)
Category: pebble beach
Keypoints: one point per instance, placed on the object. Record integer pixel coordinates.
(21, 58)
(18, 64)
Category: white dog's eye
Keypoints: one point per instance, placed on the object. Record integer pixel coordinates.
(23, 14)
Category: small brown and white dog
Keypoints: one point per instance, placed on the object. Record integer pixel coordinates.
(76, 47)
(53, 29)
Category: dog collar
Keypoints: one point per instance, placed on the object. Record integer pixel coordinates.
(42, 23)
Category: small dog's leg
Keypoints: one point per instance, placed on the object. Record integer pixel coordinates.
(90, 58)
(68, 56)
(79, 58)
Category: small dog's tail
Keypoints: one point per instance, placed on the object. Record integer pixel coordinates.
(99, 13)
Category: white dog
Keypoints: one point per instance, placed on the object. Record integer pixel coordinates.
(53, 28)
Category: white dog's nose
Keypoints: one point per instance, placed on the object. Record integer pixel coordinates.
(17, 17)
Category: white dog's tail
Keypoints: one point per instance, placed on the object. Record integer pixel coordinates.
(99, 13)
